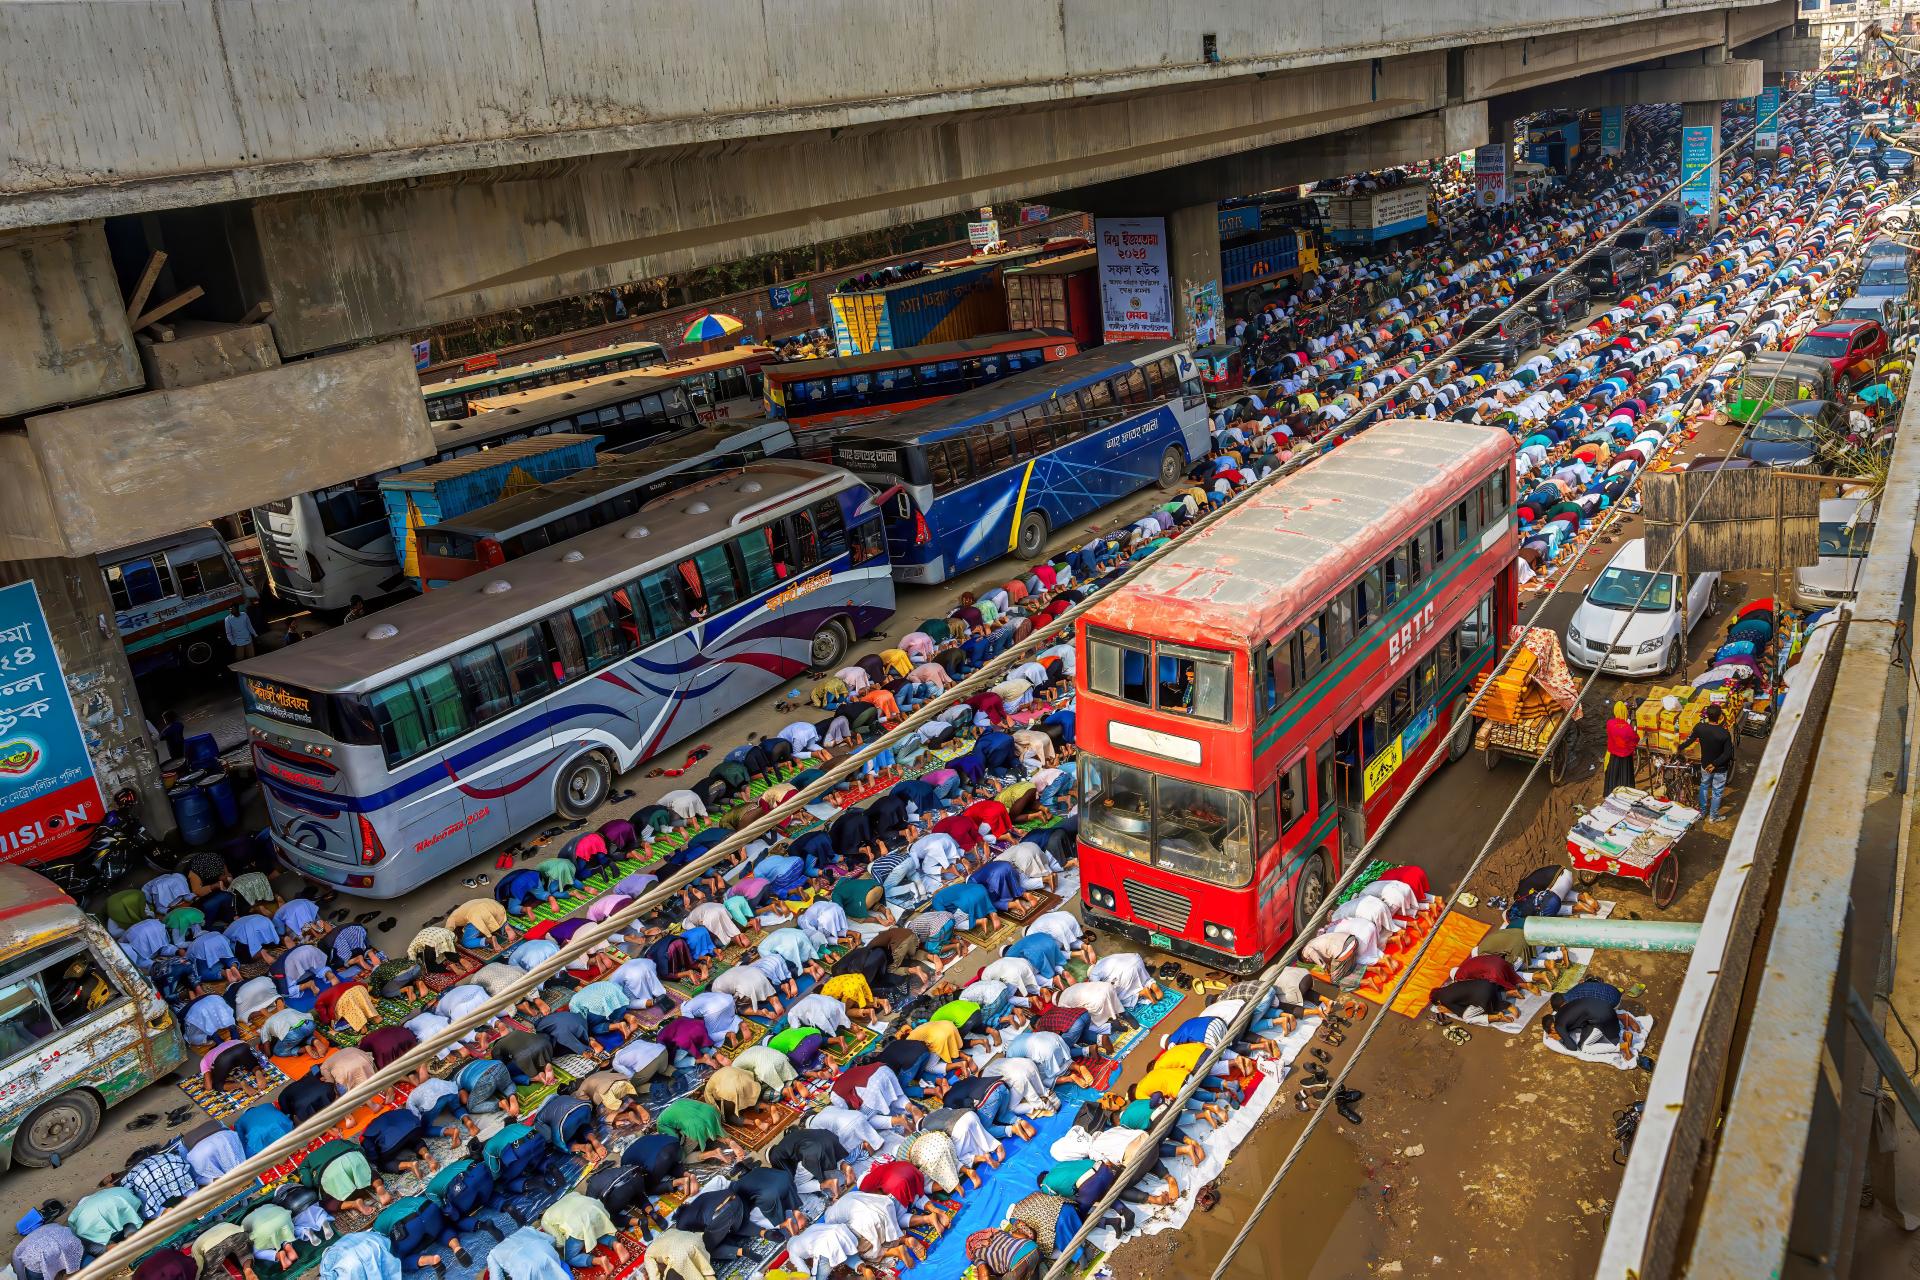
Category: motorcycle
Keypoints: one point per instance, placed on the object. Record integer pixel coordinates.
(115, 845)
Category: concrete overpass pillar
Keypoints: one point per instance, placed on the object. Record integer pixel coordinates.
(1700, 139)
(1193, 261)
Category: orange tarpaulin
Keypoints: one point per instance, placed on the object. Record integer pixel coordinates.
(1455, 937)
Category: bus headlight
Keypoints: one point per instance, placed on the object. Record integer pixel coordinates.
(1101, 897)
(1218, 933)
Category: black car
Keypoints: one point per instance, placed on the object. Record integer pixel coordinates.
(1562, 300)
(1614, 273)
(1518, 332)
(1650, 241)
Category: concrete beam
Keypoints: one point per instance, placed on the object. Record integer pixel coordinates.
(64, 335)
(1794, 48)
(1395, 142)
(1717, 82)
(371, 262)
(87, 480)
(233, 100)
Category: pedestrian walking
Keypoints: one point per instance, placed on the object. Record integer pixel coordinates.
(240, 632)
(1716, 759)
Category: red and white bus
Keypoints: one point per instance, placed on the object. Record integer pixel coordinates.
(1252, 706)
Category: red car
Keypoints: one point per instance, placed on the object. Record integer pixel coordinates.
(1853, 347)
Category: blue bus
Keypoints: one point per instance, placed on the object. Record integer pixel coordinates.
(992, 472)
(396, 747)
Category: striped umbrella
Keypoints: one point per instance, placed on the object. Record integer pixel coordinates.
(711, 327)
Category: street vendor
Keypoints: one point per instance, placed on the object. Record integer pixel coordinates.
(1716, 759)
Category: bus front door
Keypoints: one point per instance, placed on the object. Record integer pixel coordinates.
(1348, 777)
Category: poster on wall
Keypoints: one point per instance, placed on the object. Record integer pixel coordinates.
(47, 788)
(1203, 313)
(1766, 135)
(1613, 130)
(1136, 292)
(1490, 174)
(1696, 169)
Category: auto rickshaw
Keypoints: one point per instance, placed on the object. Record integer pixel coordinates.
(1778, 377)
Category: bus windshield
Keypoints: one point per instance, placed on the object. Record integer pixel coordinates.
(1189, 828)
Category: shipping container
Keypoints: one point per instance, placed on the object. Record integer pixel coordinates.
(1059, 293)
(428, 495)
(1373, 216)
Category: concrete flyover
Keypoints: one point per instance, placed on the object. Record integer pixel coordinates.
(392, 172)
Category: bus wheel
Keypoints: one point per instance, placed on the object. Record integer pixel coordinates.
(199, 653)
(1173, 468)
(1033, 536)
(57, 1129)
(582, 786)
(829, 646)
(1309, 891)
(1461, 740)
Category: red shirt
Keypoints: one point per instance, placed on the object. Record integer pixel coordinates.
(991, 814)
(846, 1086)
(1622, 738)
(895, 1178)
(964, 831)
(326, 1005)
(1412, 877)
(1058, 1019)
(1494, 969)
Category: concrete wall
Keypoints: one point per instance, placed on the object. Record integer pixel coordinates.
(146, 465)
(114, 106)
(368, 262)
(63, 327)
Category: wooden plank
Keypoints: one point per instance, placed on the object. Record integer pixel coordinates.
(257, 312)
(145, 285)
(168, 307)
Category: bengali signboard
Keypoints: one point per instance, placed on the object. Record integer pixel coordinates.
(47, 787)
(982, 234)
(1136, 292)
(1766, 136)
(1613, 130)
(1490, 174)
(1696, 169)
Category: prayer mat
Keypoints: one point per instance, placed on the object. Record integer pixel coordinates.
(860, 1040)
(1144, 1018)
(224, 1105)
(980, 937)
(749, 1034)
(1454, 940)
(1039, 907)
(754, 1256)
(574, 1067)
(1368, 874)
(768, 1123)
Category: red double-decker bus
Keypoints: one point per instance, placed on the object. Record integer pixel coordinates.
(1252, 706)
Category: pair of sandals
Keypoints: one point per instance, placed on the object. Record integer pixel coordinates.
(475, 882)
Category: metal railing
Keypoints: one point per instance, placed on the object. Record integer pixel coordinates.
(1753, 1149)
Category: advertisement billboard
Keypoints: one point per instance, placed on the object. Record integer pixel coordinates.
(1696, 169)
(1136, 292)
(1613, 130)
(1490, 174)
(47, 787)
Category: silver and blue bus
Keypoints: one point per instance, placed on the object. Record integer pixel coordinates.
(401, 745)
(992, 472)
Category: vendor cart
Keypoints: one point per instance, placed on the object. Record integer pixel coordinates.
(1632, 834)
(1657, 867)
(1525, 706)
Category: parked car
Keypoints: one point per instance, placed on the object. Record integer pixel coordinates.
(1846, 534)
(1853, 347)
(1518, 333)
(1563, 299)
(1629, 621)
(1614, 273)
(1651, 241)
(1677, 222)
(1886, 278)
(1794, 436)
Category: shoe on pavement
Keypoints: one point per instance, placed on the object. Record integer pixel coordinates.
(1347, 1112)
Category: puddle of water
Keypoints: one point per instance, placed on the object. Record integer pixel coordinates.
(1317, 1226)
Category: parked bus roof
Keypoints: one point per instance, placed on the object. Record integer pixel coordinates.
(828, 367)
(1286, 548)
(468, 463)
(31, 905)
(686, 367)
(530, 506)
(360, 654)
(1065, 264)
(508, 372)
(996, 398)
(460, 432)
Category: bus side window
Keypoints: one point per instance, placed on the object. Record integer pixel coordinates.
(1313, 648)
(719, 582)
(1438, 535)
(665, 596)
(1283, 669)
(1376, 732)
(1400, 705)
(484, 681)
(756, 555)
(1419, 558)
(806, 543)
(1429, 681)
(937, 468)
(569, 658)
(1463, 525)
(1156, 381)
(1449, 654)
(529, 672)
(1024, 446)
(396, 714)
(1367, 599)
(605, 632)
(869, 540)
(1337, 624)
(25, 1018)
(833, 532)
(999, 441)
(1293, 794)
(1397, 581)
(1326, 782)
